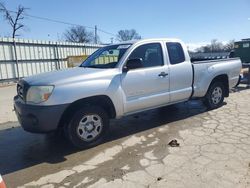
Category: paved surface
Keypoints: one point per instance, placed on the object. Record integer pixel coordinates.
(6, 104)
(214, 151)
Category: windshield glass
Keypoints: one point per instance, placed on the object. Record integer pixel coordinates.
(106, 57)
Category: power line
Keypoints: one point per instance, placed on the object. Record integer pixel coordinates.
(65, 23)
(106, 32)
(56, 21)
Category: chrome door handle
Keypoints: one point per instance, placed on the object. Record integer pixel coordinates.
(162, 74)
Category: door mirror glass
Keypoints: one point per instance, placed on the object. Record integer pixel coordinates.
(133, 64)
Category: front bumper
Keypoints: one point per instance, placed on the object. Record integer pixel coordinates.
(38, 119)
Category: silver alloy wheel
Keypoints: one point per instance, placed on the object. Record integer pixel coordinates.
(216, 95)
(90, 126)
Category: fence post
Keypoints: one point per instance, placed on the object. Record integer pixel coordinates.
(57, 54)
(16, 59)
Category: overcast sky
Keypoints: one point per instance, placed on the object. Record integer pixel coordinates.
(194, 21)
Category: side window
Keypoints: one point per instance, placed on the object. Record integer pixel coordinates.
(175, 52)
(151, 54)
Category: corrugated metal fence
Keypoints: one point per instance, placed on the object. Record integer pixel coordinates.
(36, 56)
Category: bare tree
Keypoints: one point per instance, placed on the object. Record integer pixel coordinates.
(14, 18)
(216, 46)
(79, 34)
(125, 35)
(229, 46)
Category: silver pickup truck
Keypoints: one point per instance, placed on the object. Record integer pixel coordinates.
(118, 80)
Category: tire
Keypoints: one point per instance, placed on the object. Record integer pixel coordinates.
(87, 127)
(215, 95)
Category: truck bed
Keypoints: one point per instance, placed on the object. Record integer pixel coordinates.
(205, 71)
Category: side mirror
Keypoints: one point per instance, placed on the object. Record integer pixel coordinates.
(133, 64)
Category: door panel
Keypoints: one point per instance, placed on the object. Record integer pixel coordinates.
(146, 87)
(181, 73)
(181, 76)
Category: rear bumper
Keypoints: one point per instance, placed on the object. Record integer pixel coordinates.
(38, 119)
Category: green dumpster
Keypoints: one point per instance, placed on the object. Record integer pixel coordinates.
(242, 50)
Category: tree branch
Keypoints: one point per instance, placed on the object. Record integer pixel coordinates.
(13, 19)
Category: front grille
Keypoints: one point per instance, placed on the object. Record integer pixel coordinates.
(22, 88)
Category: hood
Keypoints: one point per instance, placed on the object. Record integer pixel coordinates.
(68, 75)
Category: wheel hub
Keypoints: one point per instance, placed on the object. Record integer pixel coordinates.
(217, 95)
(90, 126)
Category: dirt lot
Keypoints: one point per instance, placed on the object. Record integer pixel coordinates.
(214, 149)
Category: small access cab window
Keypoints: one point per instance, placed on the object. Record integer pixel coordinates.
(175, 52)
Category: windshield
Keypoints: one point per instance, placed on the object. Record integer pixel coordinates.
(106, 57)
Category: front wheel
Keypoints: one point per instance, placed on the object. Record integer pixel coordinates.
(87, 127)
(215, 95)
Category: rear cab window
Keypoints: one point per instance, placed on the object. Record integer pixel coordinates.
(175, 52)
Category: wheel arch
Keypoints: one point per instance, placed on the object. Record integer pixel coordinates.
(100, 100)
(223, 78)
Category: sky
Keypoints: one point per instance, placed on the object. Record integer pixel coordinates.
(196, 22)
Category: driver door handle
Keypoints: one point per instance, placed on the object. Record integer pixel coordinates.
(163, 74)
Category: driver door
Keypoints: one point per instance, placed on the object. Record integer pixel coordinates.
(148, 86)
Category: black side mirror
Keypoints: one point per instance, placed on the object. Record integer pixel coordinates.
(133, 64)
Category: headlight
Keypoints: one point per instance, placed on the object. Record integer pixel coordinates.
(38, 94)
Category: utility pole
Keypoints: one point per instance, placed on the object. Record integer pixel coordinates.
(96, 34)
(16, 58)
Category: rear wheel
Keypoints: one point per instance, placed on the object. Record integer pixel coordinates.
(215, 95)
(87, 127)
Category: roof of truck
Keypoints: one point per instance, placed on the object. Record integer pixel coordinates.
(149, 40)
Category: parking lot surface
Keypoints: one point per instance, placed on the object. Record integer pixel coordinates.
(214, 150)
(6, 95)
